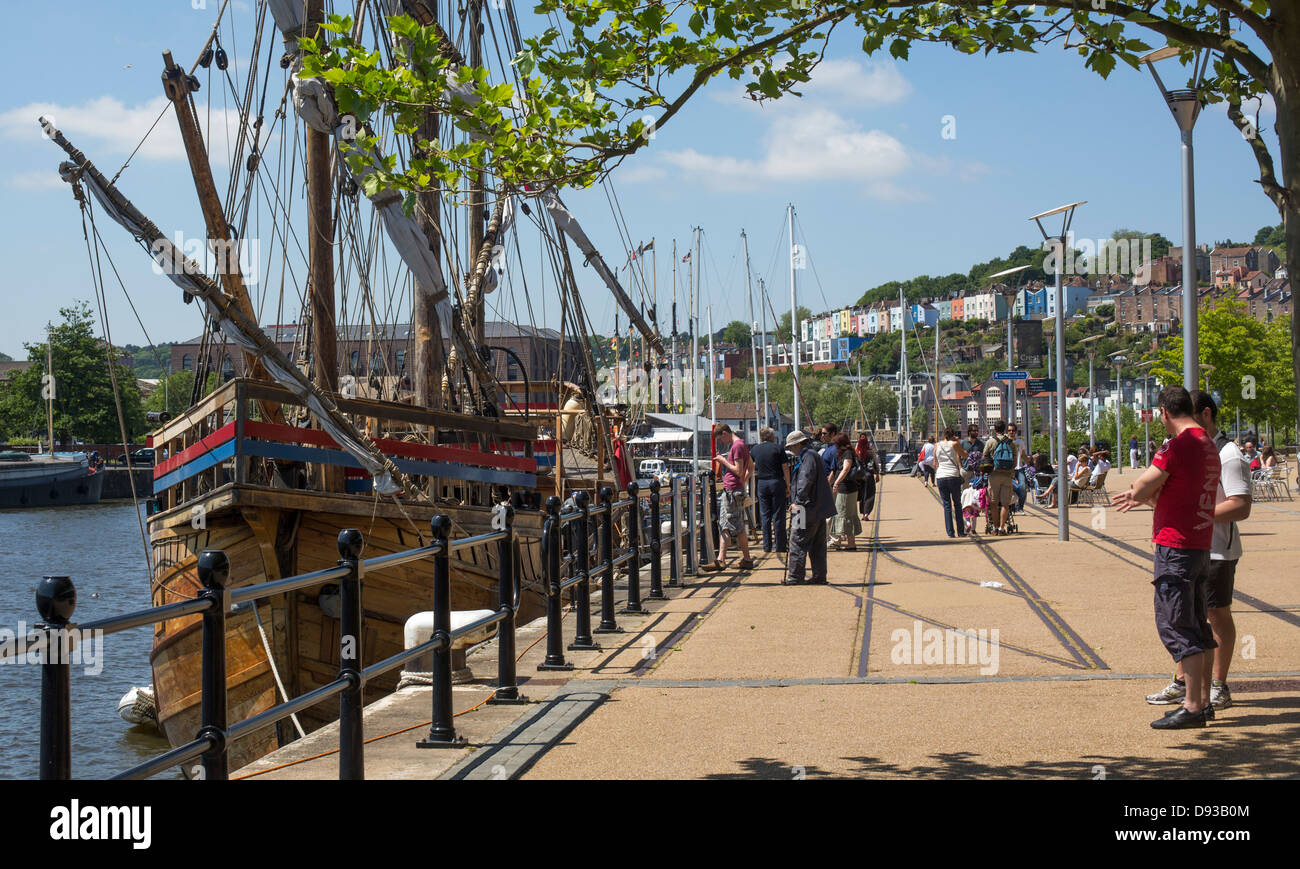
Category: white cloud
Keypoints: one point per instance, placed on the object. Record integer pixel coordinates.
(841, 81)
(37, 179)
(807, 145)
(106, 126)
(888, 191)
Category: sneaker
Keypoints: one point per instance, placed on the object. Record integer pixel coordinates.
(1220, 696)
(1172, 693)
(1181, 719)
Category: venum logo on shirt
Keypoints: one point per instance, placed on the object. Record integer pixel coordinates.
(75, 821)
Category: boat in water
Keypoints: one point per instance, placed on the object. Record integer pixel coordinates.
(272, 465)
(47, 480)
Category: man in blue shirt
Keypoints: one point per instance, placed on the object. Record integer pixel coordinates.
(830, 455)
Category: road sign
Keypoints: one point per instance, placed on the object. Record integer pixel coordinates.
(1147, 415)
(1040, 384)
(1010, 375)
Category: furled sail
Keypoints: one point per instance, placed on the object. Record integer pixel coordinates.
(568, 224)
(189, 276)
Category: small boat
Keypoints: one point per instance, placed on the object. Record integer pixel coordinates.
(138, 706)
(47, 480)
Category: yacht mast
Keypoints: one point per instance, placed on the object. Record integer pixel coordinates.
(794, 321)
(753, 327)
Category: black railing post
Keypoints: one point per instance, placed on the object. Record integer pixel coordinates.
(442, 731)
(552, 556)
(56, 600)
(634, 547)
(675, 540)
(352, 760)
(656, 546)
(214, 571)
(608, 625)
(692, 525)
(503, 519)
(582, 640)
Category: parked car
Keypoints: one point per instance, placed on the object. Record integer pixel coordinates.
(139, 458)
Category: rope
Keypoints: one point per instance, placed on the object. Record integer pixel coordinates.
(275, 671)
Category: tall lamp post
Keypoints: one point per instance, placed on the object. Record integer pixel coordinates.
(1185, 107)
(1146, 405)
(1119, 359)
(1091, 348)
(1062, 485)
(1207, 368)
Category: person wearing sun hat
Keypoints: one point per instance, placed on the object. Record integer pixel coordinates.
(812, 492)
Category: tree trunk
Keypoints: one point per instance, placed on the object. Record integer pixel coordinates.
(1286, 95)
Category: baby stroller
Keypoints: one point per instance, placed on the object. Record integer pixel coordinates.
(979, 484)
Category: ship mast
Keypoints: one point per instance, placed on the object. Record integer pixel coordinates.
(320, 252)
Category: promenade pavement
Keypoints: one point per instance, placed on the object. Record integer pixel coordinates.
(1015, 657)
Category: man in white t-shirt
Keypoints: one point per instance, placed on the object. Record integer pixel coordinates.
(1232, 505)
(1102, 466)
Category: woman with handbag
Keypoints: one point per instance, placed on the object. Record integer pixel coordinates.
(949, 456)
(845, 525)
(867, 491)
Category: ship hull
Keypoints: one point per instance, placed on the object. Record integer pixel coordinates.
(50, 487)
(268, 535)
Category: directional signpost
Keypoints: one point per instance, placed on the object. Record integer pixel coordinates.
(1041, 384)
(1010, 375)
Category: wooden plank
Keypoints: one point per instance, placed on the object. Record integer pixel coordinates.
(192, 417)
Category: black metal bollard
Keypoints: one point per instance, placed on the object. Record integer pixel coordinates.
(507, 692)
(214, 571)
(56, 600)
(442, 732)
(675, 541)
(582, 640)
(634, 547)
(352, 762)
(554, 617)
(692, 526)
(656, 546)
(608, 625)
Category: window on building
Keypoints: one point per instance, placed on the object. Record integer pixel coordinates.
(401, 359)
(227, 368)
(187, 363)
(354, 361)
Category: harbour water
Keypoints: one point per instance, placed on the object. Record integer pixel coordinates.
(99, 547)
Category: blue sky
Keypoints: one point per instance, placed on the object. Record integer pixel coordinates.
(880, 194)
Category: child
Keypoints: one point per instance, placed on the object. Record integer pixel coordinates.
(971, 507)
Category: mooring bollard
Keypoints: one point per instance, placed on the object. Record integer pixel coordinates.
(675, 541)
(442, 732)
(352, 764)
(214, 572)
(582, 640)
(656, 546)
(503, 519)
(554, 617)
(608, 625)
(56, 600)
(634, 547)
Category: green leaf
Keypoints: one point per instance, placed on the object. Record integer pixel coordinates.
(899, 48)
(767, 83)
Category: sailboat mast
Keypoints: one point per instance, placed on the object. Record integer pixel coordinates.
(713, 374)
(753, 324)
(476, 193)
(762, 295)
(676, 381)
(904, 382)
(320, 238)
(794, 320)
(430, 358)
(695, 360)
(49, 385)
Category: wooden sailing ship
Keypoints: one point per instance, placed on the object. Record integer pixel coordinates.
(271, 466)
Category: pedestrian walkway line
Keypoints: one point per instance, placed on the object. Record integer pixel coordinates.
(1260, 605)
(1022, 650)
(1068, 637)
(1244, 679)
(871, 582)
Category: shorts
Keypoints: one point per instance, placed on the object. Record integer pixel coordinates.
(1002, 492)
(731, 513)
(1180, 607)
(1220, 577)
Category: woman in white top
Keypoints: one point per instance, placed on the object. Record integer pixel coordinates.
(948, 458)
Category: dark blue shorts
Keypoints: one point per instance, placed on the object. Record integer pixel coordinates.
(1180, 601)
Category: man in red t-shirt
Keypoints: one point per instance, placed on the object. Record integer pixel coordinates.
(1182, 483)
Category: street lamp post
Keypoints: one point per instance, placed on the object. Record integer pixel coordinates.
(1119, 359)
(1207, 368)
(1146, 406)
(1062, 485)
(1185, 107)
(1092, 400)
